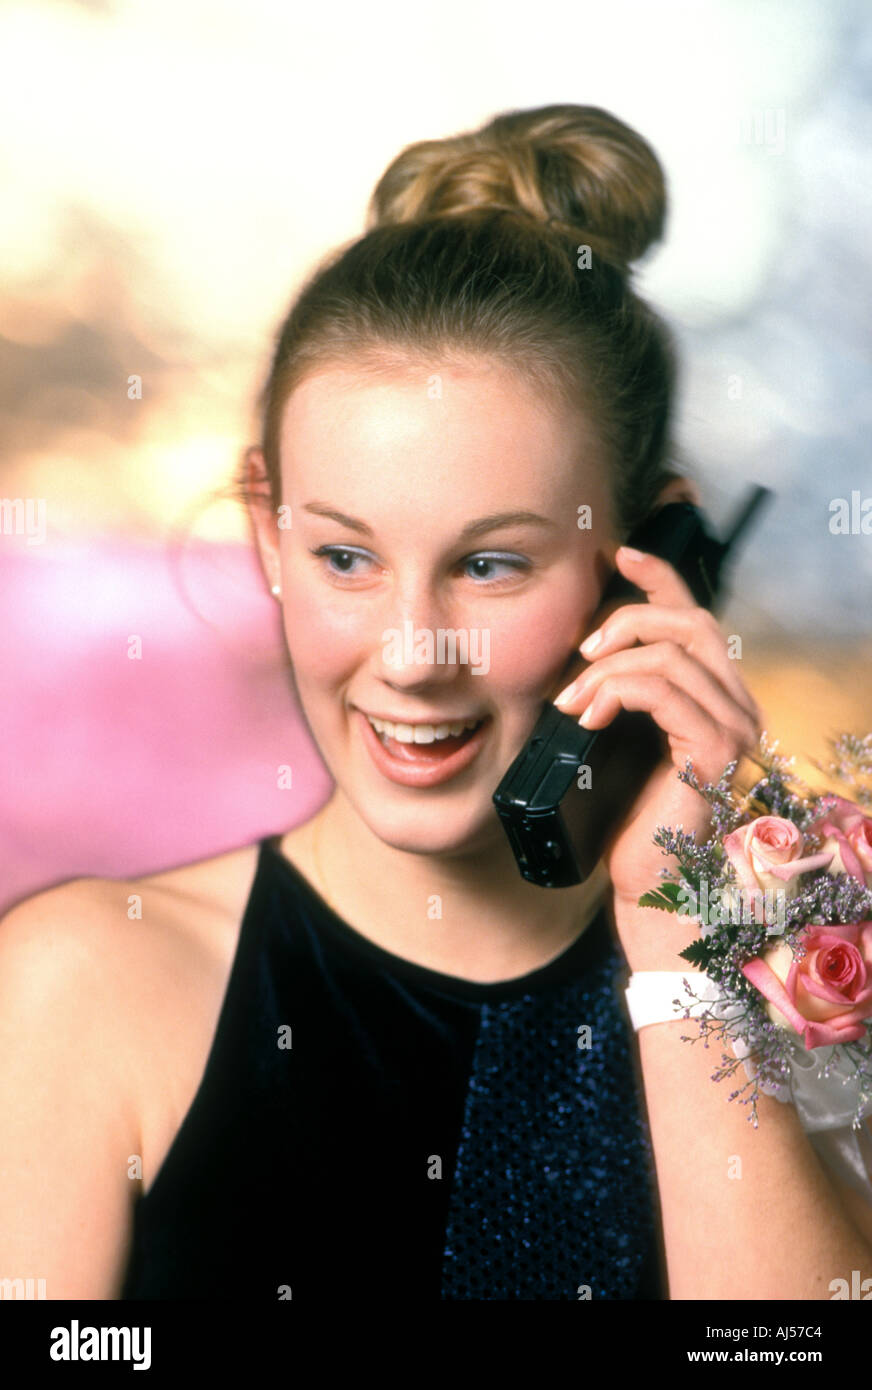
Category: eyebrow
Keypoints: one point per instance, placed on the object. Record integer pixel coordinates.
(492, 522)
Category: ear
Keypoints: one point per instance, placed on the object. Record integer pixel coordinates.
(679, 490)
(255, 474)
(261, 514)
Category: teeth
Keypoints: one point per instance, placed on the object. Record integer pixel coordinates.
(421, 733)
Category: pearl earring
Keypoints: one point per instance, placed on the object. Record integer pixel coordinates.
(277, 589)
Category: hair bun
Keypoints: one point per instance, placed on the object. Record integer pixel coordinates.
(576, 168)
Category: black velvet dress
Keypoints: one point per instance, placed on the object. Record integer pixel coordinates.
(370, 1128)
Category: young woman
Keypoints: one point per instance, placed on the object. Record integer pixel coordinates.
(358, 1054)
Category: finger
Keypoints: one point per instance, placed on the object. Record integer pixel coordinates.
(691, 730)
(672, 662)
(658, 580)
(694, 629)
(632, 565)
(662, 584)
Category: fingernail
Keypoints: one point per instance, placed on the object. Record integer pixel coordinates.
(585, 717)
(566, 696)
(591, 643)
(632, 554)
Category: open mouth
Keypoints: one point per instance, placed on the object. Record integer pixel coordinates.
(423, 742)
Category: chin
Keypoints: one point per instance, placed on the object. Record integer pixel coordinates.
(432, 829)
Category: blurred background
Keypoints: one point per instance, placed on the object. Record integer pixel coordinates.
(170, 172)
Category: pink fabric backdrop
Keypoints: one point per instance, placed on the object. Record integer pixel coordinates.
(117, 766)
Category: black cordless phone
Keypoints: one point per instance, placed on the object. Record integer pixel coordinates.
(569, 788)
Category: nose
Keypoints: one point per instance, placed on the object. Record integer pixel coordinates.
(419, 644)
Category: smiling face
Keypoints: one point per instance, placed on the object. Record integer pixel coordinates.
(392, 479)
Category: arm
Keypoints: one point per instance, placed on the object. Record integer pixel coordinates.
(784, 1229)
(747, 1214)
(67, 1123)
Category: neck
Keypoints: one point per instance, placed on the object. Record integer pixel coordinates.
(470, 915)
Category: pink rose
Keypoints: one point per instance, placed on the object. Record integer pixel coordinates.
(828, 993)
(849, 840)
(767, 853)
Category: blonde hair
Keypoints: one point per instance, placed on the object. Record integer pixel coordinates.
(474, 246)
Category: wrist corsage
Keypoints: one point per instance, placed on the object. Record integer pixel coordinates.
(782, 894)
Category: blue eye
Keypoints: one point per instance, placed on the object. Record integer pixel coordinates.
(334, 550)
(336, 553)
(512, 562)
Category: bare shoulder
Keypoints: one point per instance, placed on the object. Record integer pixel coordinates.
(115, 920)
(109, 994)
(137, 968)
(152, 953)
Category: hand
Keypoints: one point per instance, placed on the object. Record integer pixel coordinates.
(683, 676)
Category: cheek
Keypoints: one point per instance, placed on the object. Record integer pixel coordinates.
(321, 640)
(530, 643)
